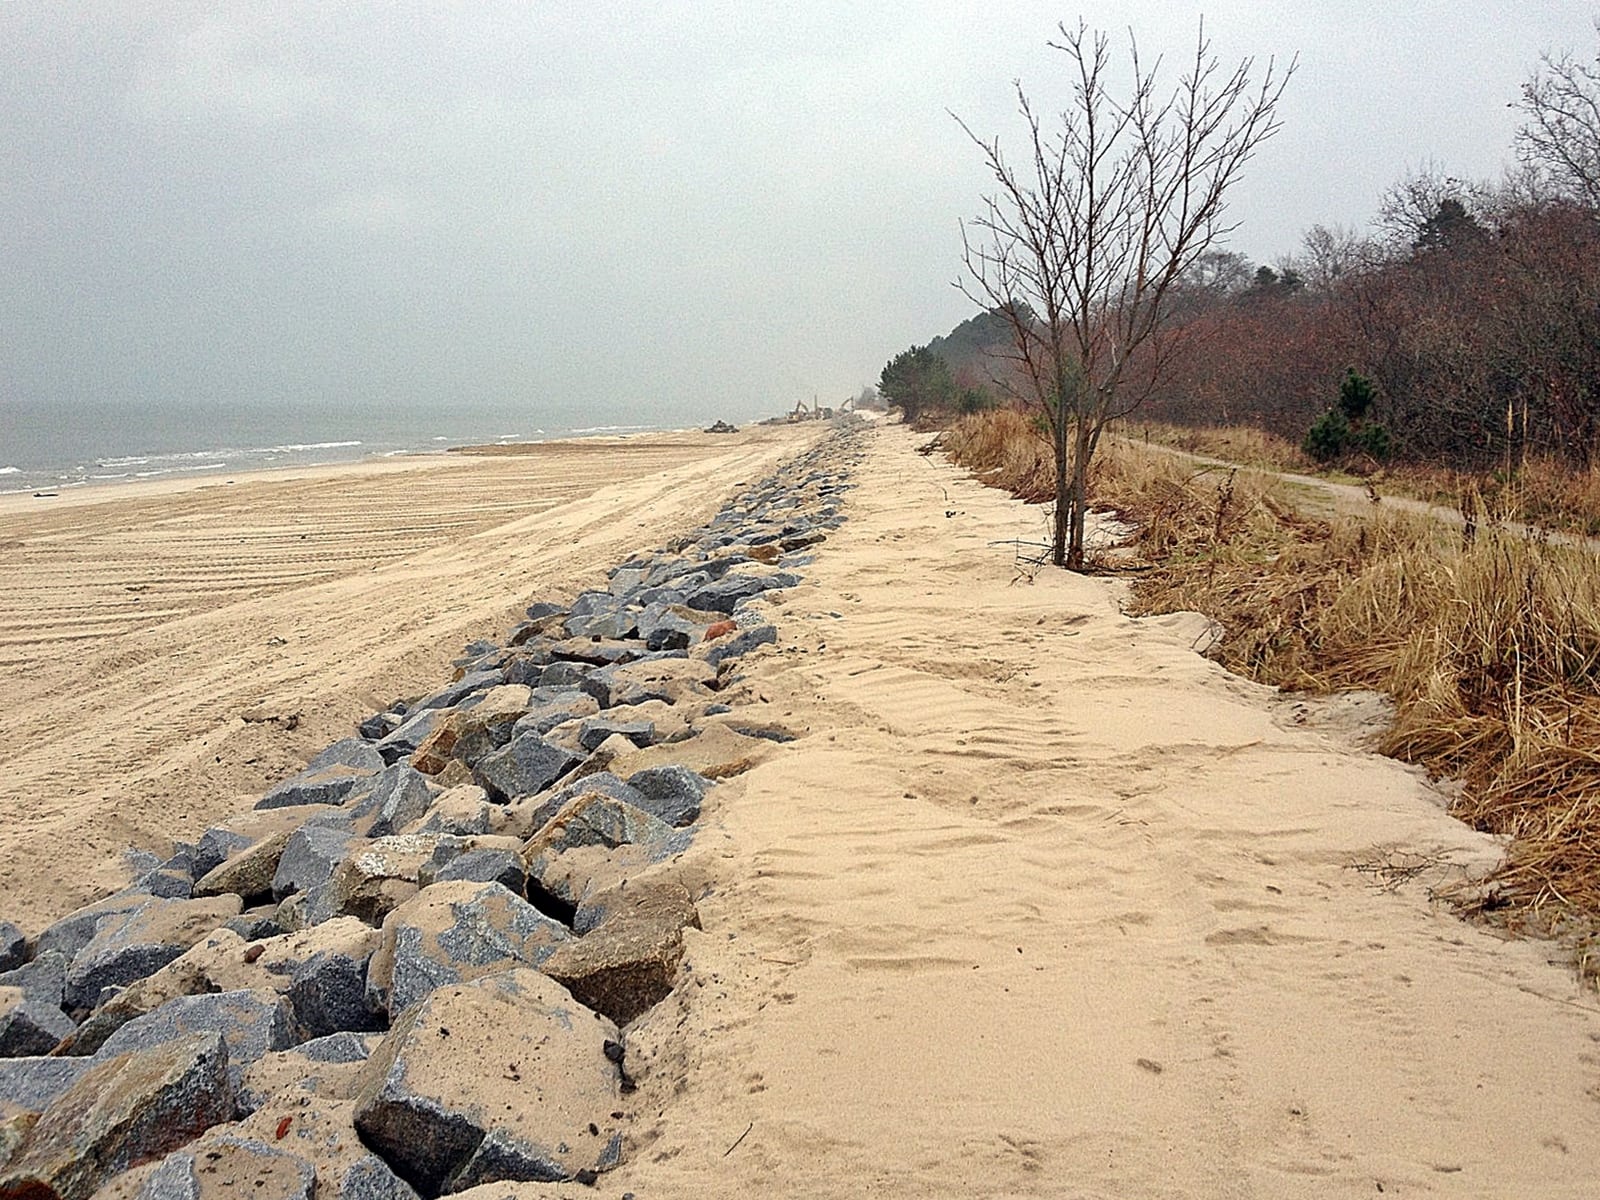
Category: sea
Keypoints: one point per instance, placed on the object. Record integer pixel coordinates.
(52, 448)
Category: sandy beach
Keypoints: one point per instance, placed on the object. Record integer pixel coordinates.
(173, 648)
(1037, 901)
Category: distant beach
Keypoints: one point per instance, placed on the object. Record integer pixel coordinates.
(51, 448)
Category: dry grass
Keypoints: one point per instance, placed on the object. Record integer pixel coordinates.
(1544, 492)
(1490, 650)
(1242, 444)
(1005, 449)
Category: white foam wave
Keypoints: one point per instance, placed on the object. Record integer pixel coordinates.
(301, 447)
(10, 470)
(174, 470)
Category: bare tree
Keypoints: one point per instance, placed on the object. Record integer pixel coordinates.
(1562, 133)
(1329, 254)
(1081, 247)
(1410, 204)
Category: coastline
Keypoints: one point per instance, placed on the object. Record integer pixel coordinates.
(175, 645)
(179, 479)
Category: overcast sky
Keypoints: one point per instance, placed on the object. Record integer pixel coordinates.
(623, 211)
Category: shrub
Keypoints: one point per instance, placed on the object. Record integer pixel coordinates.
(1373, 440)
(1327, 437)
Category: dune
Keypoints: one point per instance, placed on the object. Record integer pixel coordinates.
(1018, 896)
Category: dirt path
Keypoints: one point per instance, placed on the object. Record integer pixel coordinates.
(1041, 903)
(1348, 497)
(171, 651)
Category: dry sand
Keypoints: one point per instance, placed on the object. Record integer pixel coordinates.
(1041, 903)
(1038, 903)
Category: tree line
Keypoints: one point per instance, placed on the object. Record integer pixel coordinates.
(1464, 329)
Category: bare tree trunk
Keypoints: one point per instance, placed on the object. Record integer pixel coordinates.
(1059, 532)
(1080, 496)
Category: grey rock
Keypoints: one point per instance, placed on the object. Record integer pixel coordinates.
(165, 883)
(305, 909)
(673, 626)
(527, 764)
(400, 795)
(251, 1022)
(601, 781)
(597, 652)
(403, 741)
(354, 753)
(452, 932)
(475, 681)
(485, 865)
(13, 946)
(329, 995)
(327, 785)
(461, 811)
(591, 602)
(564, 674)
(670, 676)
(380, 874)
(129, 946)
(137, 861)
(256, 924)
(216, 845)
(368, 1178)
(379, 726)
(623, 968)
(247, 874)
(44, 979)
(342, 1047)
(595, 819)
(120, 1112)
(75, 930)
(31, 1084)
(671, 793)
(724, 594)
(526, 667)
(738, 643)
(540, 609)
(595, 730)
(555, 705)
(329, 778)
(626, 578)
(310, 857)
(525, 817)
(29, 1026)
(425, 1105)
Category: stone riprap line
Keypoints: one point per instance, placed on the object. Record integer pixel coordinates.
(409, 969)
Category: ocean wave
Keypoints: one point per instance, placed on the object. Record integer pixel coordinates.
(301, 447)
(10, 470)
(612, 428)
(217, 466)
(226, 453)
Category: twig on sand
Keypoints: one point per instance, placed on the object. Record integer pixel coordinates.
(739, 1139)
